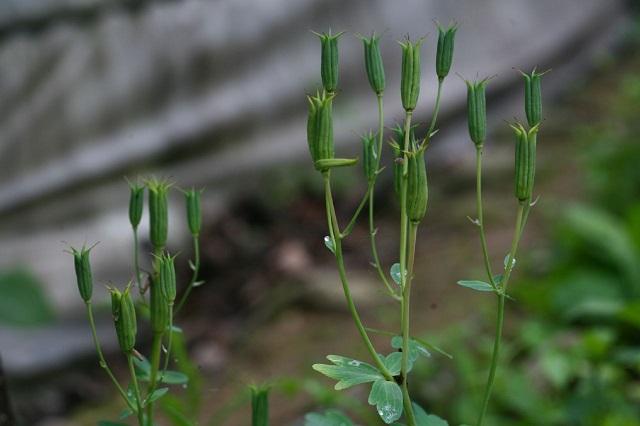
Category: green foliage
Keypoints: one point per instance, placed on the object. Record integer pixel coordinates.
(23, 302)
(348, 372)
(387, 397)
(328, 418)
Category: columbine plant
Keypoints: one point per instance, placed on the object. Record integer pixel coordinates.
(158, 307)
(388, 374)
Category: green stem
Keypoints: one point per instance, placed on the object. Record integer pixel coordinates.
(480, 223)
(136, 262)
(156, 349)
(500, 319)
(334, 230)
(436, 109)
(406, 305)
(194, 276)
(352, 222)
(136, 389)
(102, 361)
(168, 354)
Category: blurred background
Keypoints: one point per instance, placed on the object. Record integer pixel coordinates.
(212, 94)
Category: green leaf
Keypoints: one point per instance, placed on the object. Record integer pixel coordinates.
(142, 367)
(125, 413)
(415, 347)
(387, 397)
(393, 362)
(348, 372)
(424, 419)
(173, 377)
(328, 418)
(329, 243)
(157, 394)
(476, 285)
(23, 301)
(506, 261)
(395, 273)
(433, 347)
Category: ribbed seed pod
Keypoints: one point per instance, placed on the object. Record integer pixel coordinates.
(136, 201)
(329, 60)
(158, 212)
(477, 111)
(194, 213)
(320, 128)
(417, 190)
(125, 324)
(167, 277)
(159, 307)
(116, 295)
(410, 78)
(533, 97)
(525, 160)
(369, 156)
(444, 52)
(373, 63)
(259, 406)
(82, 267)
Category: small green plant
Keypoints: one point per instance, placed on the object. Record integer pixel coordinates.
(388, 374)
(157, 307)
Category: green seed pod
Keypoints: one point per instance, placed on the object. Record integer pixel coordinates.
(320, 128)
(477, 111)
(369, 156)
(125, 323)
(159, 307)
(194, 213)
(410, 79)
(444, 53)
(116, 295)
(525, 160)
(533, 97)
(82, 266)
(259, 406)
(167, 277)
(136, 200)
(373, 63)
(397, 143)
(158, 212)
(329, 60)
(417, 191)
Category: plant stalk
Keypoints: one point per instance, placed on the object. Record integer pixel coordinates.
(436, 109)
(136, 389)
(194, 276)
(156, 349)
(136, 262)
(406, 305)
(480, 223)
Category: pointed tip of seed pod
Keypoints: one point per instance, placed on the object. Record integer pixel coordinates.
(451, 27)
(327, 35)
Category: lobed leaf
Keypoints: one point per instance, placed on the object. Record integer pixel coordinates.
(348, 372)
(387, 397)
(328, 418)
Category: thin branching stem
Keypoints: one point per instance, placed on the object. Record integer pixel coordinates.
(408, 408)
(156, 351)
(334, 230)
(406, 306)
(136, 390)
(517, 233)
(136, 262)
(436, 109)
(354, 218)
(170, 338)
(194, 276)
(102, 361)
(480, 214)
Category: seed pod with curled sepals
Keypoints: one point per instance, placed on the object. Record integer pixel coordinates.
(158, 211)
(136, 201)
(167, 277)
(320, 128)
(410, 76)
(533, 96)
(525, 160)
(125, 323)
(82, 265)
(444, 53)
(329, 60)
(160, 308)
(194, 213)
(477, 110)
(373, 63)
(417, 190)
(369, 156)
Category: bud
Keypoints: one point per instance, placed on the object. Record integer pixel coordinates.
(194, 213)
(136, 200)
(533, 97)
(410, 79)
(125, 321)
(444, 53)
(329, 60)
(476, 111)
(417, 191)
(320, 128)
(369, 156)
(159, 307)
(82, 266)
(158, 212)
(373, 63)
(259, 405)
(525, 160)
(167, 277)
